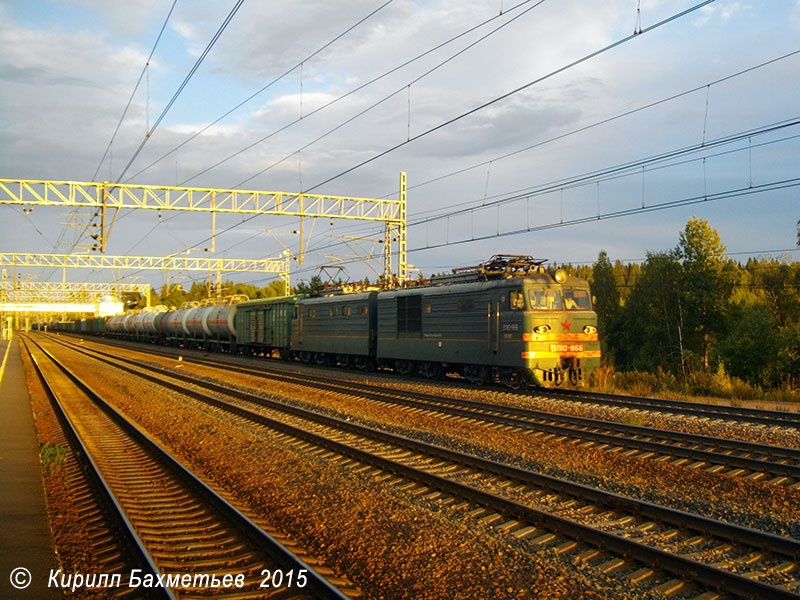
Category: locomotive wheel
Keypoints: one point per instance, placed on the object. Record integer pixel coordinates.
(345, 360)
(512, 378)
(362, 363)
(403, 367)
(433, 370)
(321, 358)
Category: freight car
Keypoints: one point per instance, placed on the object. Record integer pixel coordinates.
(264, 325)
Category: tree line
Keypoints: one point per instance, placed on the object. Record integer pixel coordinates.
(691, 309)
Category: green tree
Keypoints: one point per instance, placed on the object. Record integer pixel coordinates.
(708, 277)
(604, 289)
(777, 284)
(785, 371)
(308, 288)
(649, 330)
(172, 296)
(750, 346)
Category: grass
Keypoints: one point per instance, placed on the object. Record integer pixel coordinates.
(51, 456)
(697, 387)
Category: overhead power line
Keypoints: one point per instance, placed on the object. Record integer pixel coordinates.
(733, 193)
(513, 92)
(600, 122)
(361, 87)
(133, 93)
(259, 92)
(185, 81)
(625, 169)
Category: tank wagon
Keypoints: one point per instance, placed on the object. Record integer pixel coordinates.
(507, 320)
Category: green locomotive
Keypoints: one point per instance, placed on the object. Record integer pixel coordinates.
(507, 320)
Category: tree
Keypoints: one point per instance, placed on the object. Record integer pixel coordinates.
(777, 285)
(751, 344)
(649, 330)
(308, 288)
(172, 296)
(604, 289)
(708, 277)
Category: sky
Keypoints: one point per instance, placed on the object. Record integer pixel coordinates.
(523, 126)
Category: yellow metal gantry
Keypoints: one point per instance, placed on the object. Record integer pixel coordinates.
(173, 263)
(55, 291)
(104, 196)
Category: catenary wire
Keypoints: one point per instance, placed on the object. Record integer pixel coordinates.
(497, 99)
(259, 92)
(512, 92)
(181, 87)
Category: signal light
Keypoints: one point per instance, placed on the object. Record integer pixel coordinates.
(590, 329)
(560, 276)
(541, 329)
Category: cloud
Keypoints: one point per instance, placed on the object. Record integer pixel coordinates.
(725, 11)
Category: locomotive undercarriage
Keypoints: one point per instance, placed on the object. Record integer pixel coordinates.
(569, 370)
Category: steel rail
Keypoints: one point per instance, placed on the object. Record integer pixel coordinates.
(752, 415)
(124, 527)
(279, 553)
(561, 424)
(709, 575)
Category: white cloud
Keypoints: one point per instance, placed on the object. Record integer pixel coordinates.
(725, 11)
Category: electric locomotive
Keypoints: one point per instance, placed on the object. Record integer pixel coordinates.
(507, 320)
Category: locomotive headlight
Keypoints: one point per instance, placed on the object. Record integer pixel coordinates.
(541, 329)
(560, 276)
(590, 329)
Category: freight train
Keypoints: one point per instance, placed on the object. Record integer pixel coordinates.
(507, 320)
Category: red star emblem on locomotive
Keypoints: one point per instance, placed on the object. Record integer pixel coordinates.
(565, 325)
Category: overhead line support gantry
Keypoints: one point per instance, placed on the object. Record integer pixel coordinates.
(109, 196)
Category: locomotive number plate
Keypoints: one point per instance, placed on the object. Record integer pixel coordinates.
(566, 347)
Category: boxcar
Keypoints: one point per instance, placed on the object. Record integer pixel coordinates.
(264, 325)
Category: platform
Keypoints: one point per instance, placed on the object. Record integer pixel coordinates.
(25, 538)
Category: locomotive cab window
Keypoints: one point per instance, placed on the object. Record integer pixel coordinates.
(516, 300)
(577, 300)
(545, 299)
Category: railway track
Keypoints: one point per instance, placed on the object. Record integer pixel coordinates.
(108, 546)
(646, 543)
(705, 411)
(191, 541)
(778, 465)
(700, 410)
